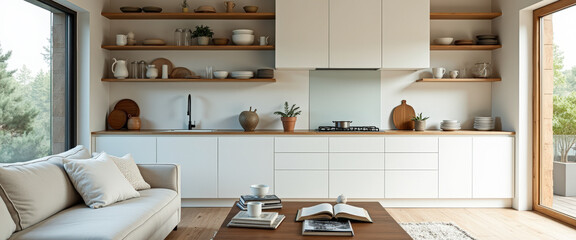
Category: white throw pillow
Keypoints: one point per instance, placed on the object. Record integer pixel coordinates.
(130, 170)
(99, 181)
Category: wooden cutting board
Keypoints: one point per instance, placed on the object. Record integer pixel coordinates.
(117, 119)
(401, 116)
(128, 106)
(158, 62)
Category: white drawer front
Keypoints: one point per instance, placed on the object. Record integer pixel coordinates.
(301, 144)
(411, 161)
(301, 161)
(360, 161)
(301, 184)
(412, 144)
(411, 184)
(357, 144)
(357, 184)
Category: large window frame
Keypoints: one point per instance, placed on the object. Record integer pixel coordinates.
(537, 185)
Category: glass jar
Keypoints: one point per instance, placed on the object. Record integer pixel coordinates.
(187, 37)
(134, 69)
(482, 70)
(179, 37)
(142, 69)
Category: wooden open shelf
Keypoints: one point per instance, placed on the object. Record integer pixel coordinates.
(189, 15)
(188, 80)
(208, 47)
(464, 47)
(460, 80)
(489, 15)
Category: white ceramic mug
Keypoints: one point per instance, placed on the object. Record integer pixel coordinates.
(453, 74)
(438, 72)
(121, 39)
(254, 209)
(264, 40)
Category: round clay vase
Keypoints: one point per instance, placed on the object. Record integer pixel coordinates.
(133, 123)
(419, 125)
(288, 123)
(248, 120)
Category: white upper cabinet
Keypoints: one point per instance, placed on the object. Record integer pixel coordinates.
(302, 34)
(355, 34)
(405, 34)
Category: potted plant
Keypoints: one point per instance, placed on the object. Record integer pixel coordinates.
(184, 6)
(564, 129)
(288, 117)
(203, 34)
(419, 122)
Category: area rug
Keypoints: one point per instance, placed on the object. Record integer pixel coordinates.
(435, 231)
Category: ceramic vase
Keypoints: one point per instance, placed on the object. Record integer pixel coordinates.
(248, 120)
(419, 125)
(288, 123)
(133, 123)
(203, 41)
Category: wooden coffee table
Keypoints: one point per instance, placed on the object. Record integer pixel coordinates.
(383, 227)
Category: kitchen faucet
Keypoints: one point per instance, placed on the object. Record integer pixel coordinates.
(190, 125)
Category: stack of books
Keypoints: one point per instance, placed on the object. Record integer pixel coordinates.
(268, 201)
(269, 220)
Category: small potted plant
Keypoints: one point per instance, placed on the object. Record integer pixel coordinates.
(184, 6)
(203, 34)
(419, 122)
(288, 117)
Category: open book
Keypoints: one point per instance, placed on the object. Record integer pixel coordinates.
(339, 211)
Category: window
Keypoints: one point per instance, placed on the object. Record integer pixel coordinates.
(37, 79)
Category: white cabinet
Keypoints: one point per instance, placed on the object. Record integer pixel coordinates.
(357, 184)
(411, 184)
(412, 144)
(302, 183)
(301, 144)
(493, 167)
(143, 149)
(405, 34)
(357, 144)
(455, 167)
(198, 160)
(244, 161)
(302, 34)
(355, 33)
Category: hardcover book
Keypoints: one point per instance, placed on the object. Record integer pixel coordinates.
(325, 211)
(327, 228)
(265, 206)
(268, 199)
(274, 224)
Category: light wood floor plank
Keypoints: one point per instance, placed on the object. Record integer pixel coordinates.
(482, 223)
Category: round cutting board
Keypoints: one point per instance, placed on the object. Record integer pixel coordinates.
(117, 119)
(402, 115)
(158, 62)
(128, 106)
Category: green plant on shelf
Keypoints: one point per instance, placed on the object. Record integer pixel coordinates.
(419, 117)
(289, 111)
(202, 31)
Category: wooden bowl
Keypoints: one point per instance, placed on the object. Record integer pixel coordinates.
(220, 41)
(250, 9)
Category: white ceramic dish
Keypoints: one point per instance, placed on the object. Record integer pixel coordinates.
(243, 31)
(449, 121)
(443, 41)
(243, 39)
(220, 74)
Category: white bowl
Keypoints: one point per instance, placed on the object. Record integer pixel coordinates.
(259, 190)
(220, 74)
(242, 31)
(443, 41)
(243, 39)
(450, 121)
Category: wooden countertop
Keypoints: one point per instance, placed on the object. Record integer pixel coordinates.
(297, 132)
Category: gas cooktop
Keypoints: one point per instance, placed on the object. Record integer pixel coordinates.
(350, 129)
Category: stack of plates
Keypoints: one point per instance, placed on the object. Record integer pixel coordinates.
(242, 74)
(483, 123)
(450, 125)
(265, 73)
(487, 39)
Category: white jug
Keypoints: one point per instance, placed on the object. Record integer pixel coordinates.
(152, 72)
(121, 70)
(264, 40)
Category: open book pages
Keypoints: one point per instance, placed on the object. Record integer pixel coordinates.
(265, 218)
(326, 211)
(274, 224)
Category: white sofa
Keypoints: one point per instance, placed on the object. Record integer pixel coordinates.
(38, 201)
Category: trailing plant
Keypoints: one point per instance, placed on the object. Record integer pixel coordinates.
(289, 111)
(202, 31)
(419, 117)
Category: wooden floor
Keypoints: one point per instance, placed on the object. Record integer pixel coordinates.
(481, 223)
(566, 205)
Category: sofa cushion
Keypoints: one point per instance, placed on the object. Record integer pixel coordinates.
(130, 170)
(7, 225)
(99, 181)
(136, 218)
(29, 188)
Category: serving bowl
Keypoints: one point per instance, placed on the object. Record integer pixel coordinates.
(443, 41)
(243, 39)
(242, 31)
(242, 74)
(250, 9)
(152, 9)
(220, 74)
(220, 41)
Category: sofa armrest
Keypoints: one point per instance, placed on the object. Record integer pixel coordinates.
(161, 175)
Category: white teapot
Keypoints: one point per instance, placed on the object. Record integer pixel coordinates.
(121, 70)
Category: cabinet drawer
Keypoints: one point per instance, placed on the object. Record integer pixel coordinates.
(411, 184)
(357, 184)
(301, 184)
(412, 144)
(301, 161)
(411, 161)
(366, 161)
(301, 144)
(357, 144)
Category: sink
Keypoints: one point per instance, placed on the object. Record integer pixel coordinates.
(193, 130)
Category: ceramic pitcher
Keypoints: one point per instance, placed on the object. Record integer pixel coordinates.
(119, 69)
(152, 72)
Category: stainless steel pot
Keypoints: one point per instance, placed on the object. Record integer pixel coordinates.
(342, 124)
